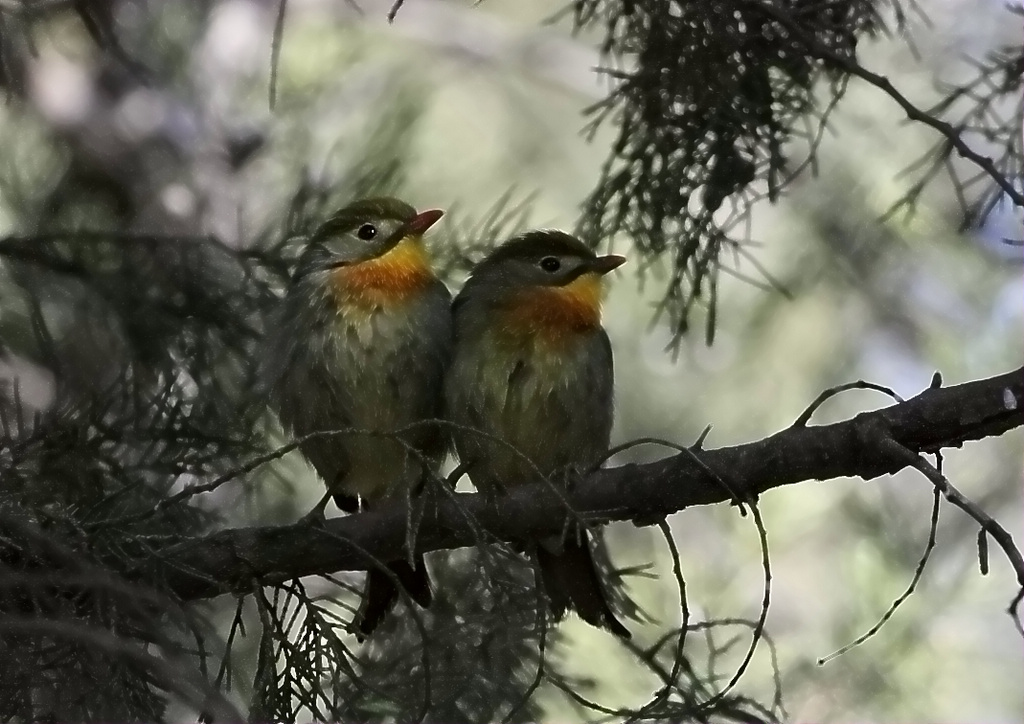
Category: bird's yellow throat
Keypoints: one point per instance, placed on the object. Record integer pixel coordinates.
(392, 277)
(554, 311)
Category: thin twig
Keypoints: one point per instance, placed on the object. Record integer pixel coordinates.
(911, 587)
(888, 446)
(755, 637)
(275, 50)
(806, 415)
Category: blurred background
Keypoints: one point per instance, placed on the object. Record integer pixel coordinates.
(475, 108)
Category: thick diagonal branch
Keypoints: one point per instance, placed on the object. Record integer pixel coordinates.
(232, 560)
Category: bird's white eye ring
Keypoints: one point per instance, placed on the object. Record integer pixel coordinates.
(550, 264)
(367, 232)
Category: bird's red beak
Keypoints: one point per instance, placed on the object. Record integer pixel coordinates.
(604, 264)
(421, 222)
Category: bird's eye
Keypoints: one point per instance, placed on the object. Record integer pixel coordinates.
(367, 232)
(550, 264)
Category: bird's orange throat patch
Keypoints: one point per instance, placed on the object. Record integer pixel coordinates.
(554, 312)
(392, 277)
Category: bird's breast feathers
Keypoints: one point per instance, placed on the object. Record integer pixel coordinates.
(554, 314)
(374, 368)
(394, 277)
(549, 405)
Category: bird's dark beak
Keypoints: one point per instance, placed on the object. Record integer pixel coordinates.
(422, 221)
(604, 264)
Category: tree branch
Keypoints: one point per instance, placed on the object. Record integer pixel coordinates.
(952, 134)
(232, 560)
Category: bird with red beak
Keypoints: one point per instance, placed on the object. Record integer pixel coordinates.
(361, 344)
(530, 390)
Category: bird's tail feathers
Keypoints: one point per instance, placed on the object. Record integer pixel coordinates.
(381, 594)
(571, 581)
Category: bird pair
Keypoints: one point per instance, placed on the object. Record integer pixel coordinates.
(368, 339)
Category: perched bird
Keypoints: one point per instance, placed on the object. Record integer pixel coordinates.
(533, 368)
(363, 340)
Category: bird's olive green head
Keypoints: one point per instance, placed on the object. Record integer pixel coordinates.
(543, 258)
(363, 231)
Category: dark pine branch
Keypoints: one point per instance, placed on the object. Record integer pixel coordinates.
(869, 445)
